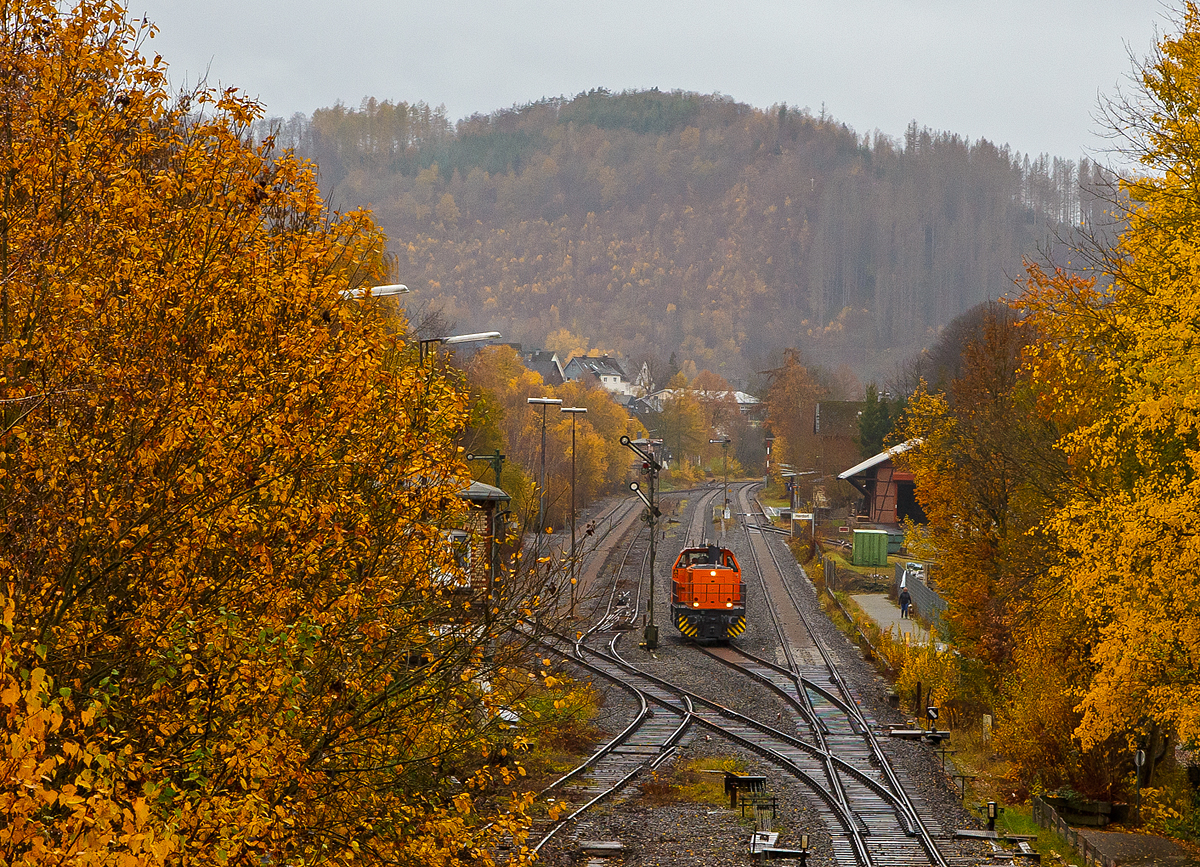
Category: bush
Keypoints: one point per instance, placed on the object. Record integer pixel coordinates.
(1172, 808)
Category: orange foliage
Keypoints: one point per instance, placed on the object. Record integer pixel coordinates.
(224, 487)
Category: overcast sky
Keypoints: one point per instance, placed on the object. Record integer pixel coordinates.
(1024, 72)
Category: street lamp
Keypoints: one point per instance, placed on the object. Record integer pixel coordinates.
(543, 402)
(376, 291)
(457, 338)
(574, 411)
(724, 443)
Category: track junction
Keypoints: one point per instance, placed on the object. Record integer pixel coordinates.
(821, 737)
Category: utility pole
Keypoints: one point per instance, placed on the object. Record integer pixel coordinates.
(650, 469)
(574, 411)
(543, 402)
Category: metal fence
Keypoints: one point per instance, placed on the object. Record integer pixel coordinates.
(928, 605)
(1047, 817)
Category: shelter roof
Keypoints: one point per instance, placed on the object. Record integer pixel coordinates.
(882, 457)
(478, 492)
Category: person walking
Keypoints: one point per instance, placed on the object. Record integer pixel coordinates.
(905, 601)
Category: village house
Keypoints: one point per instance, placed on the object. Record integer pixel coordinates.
(610, 373)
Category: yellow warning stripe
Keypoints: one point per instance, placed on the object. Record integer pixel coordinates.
(737, 628)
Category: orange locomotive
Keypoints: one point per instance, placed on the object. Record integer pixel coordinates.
(708, 596)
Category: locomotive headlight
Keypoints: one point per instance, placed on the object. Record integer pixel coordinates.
(713, 573)
(728, 604)
(695, 604)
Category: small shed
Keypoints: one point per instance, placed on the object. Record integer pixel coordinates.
(870, 548)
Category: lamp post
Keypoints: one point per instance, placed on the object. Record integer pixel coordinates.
(724, 443)
(376, 291)
(574, 411)
(456, 339)
(543, 402)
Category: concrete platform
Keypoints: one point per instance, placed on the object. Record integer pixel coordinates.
(886, 614)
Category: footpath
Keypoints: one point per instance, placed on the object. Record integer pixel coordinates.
(1115, 848)
(886, 615)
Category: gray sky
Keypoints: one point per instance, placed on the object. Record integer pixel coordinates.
(1023, 72)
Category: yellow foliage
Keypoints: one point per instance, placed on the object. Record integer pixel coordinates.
(1118, 367)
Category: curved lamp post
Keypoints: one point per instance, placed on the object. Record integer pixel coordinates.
(477, 337)
(376, 291)
(574, 411)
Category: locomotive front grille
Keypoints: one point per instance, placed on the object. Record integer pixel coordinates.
(710, 625)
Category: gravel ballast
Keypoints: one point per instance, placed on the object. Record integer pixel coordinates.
(654, 828)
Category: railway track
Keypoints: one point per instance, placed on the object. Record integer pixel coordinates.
(895, 833)
(834, 754)
(645, 744)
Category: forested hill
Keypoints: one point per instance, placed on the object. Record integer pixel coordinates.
(655, 223)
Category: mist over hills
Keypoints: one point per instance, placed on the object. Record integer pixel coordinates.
(686, 226)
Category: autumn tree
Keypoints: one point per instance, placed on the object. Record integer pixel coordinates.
(682, 427)
(502, 418)
(1081, 593)
(790, 398)
(228, 633)
(987, 473)
(1118, 369)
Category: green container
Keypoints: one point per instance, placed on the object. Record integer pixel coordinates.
(870, 548)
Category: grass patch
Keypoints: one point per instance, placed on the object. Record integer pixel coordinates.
(774, 494)
(1053, 848)
(560, 727)
(693, 782)
(976, 758)
(699, 785)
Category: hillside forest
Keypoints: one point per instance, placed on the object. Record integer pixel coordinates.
(668, 223)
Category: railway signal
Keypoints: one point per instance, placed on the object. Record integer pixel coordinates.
(650, 468)
(496, 460)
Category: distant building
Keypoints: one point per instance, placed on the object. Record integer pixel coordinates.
(748, 404)
(545, 363)
(610, 373)
(889, 494)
